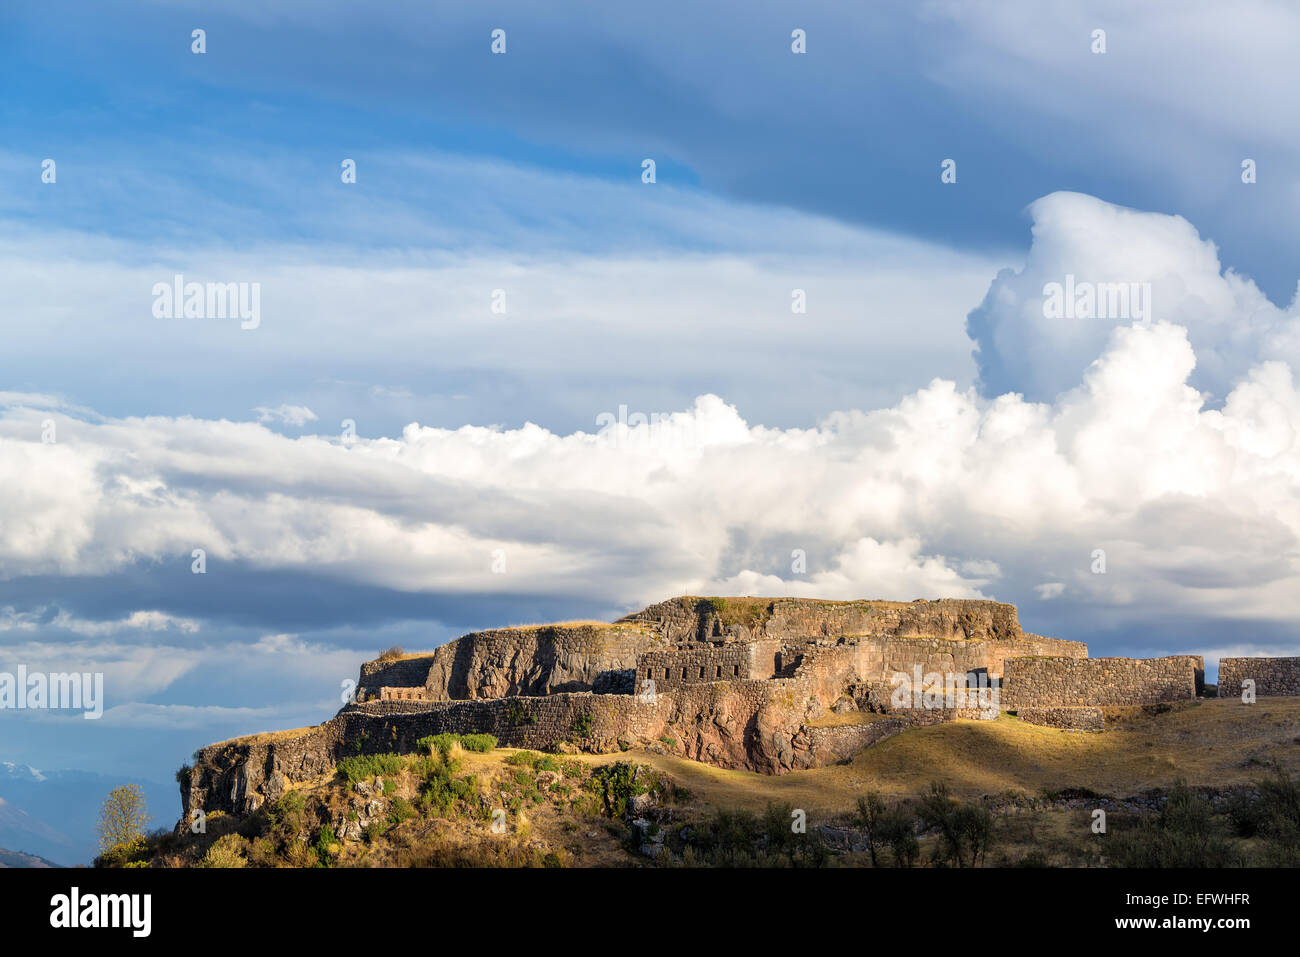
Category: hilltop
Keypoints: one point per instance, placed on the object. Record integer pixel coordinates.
(856, 697)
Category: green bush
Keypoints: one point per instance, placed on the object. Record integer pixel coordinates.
(616, 783)
(1186, 833)
(892, 827)
(441, 792)
(965, 830)
(527, 759)
(401, 810)
(482, 743)
(534, 760)
(227, 851)
(441, 743)
(362, 767)
(326, 846)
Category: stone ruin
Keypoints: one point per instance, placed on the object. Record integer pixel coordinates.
(762, 684)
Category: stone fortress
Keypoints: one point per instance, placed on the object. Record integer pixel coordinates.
(763, 684)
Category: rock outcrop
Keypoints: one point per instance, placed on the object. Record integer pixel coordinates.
(763, 684)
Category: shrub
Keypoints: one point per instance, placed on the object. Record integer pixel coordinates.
(326, 846)
(583, 724)
(227, 851)
(965, 830)
(616, 783)
(1185, 833)
(482, 743)
(441, 791)
(400, 811)
(392, 654)
(442, 744)
(534, 760)
(362, 767)
(293, 802)
(885, 826)
(124, 853)
(516, 715)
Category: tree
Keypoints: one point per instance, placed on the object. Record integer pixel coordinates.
(871, 810)
(122, 818)
(965, 830)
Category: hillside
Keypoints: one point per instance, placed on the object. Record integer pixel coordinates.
(1037, 786)
(20, 859)
(1208, 742)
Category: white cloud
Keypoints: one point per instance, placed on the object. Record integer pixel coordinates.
(943, 493)
(1231, 325)
(288, 414)
(45, 618)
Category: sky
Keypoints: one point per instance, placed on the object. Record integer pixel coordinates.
(412, 440)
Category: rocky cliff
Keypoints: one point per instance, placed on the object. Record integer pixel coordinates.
(573, 685)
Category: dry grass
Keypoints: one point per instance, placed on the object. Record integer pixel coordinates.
(1211, 742)
(264, 737)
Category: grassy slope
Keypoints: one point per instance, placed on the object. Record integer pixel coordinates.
(1208, 742)
(1211, 742)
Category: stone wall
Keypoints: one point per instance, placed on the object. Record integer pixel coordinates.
(408, 672)
(1070, 719)
(759, 675)
(547, 659)
(1030, 646)
(966, 620)
(1098, 682)
(694, 663)
(1272, 676)
(879, 659)
(696, 619)
(401, 694)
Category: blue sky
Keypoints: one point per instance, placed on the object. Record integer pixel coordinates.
(1170, 447)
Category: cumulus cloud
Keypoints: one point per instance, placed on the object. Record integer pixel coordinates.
(1196, 508)
(1083, 243)
(944, 494)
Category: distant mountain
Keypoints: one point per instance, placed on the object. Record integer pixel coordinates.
(52, 814)
(19, 859)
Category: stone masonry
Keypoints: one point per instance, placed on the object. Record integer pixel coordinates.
(1272, 676)
(761, 684)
